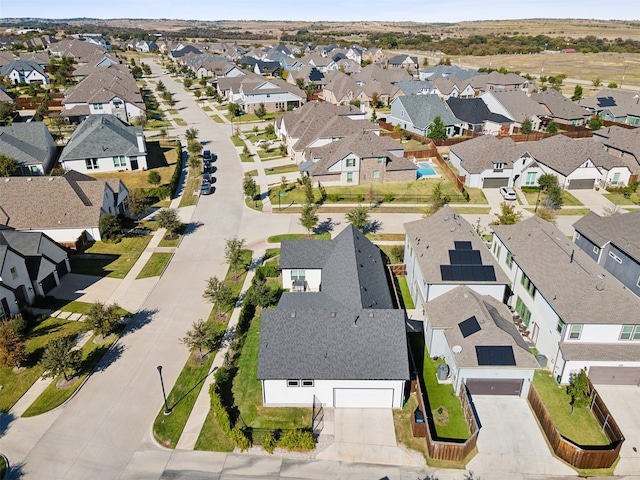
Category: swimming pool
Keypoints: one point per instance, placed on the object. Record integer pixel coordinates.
(425, 170)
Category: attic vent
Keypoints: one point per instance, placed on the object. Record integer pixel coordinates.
(293, 314)
(370, 314)
(453, 229)
(446, 218)
(332, 314)
(600, 287)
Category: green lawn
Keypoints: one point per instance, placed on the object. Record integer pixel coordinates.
(111, 259)
(406, 294)
(189, 195)
(388, 237)
(618, 199)
(297, 236)
(155, 265)
(237, 141)
(212, 438)
(281, 169)
(73, 306)
(247, 391)
(581, 427)
(252, 173)
(207, 108)
(439, 395)
(473, 210)
(568, 200)
(180, 122)
(14, 385)
(565, 211)
(169, 241)
(53, 396)
(216, 118)
(3, 467)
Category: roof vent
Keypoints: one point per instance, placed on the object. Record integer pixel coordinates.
(51, 179)
(370, 314)
(456, 349)
(355, 321)
(332, 314)
(600, 286)
(293, 314)
(446, 218)
(7, 180)
(453, 229)
(29, 179)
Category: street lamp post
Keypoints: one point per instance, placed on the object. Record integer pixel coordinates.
(167, 411)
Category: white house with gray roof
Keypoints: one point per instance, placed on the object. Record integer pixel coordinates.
(336, 338)
(515, 105)
(30, 145)
(25, 71)
(576, 313)
(415, 113)
(614, 105)
(102, 143)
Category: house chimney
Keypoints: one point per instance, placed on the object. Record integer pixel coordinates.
(141, 146)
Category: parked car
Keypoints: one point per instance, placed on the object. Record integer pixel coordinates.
(263, 142)
(206, 177)
(205, 188)
(508, 193)
(206, 155)
(206, 166)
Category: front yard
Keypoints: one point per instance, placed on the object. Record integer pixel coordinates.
(568, 200)
(110, 259)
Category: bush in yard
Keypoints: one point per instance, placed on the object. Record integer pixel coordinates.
(388, 198)
(240, 439)
(19, 324)
(221, 377)
(58, 358)
(12, 347)
(103, 319)
(578, 389)
(270, 129)
(269, 443)
(168, 218)
(110, 227)
(154, 178)
(297, 440)
(264, 271)
(333, 197)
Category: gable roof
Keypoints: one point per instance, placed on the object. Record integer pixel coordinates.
(448, 71)
(376, 72)
(480, 153)
(517, 103)
(423, 109)
(24, 67)
(623, 139)
(27, 143)
(622, 230)
(560, 106)
(415, 87)
(103, 85)
(617, 101)
(474, 111)
(577, 288)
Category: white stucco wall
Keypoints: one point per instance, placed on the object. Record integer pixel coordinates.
(313, 277)
(14, 274)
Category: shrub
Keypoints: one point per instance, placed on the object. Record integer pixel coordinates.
(175, 178)
(298, 440)
(240, 439)
(388, 198)
(269, 443)
(266, 271)
(110, 227)
(154, 177)
(359, 198)
(333, 197)
(219, 410)
(19, 324)
(158, 192)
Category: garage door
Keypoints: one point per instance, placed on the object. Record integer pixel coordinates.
(615, 375)
(495, 182)
(581, 184)
(61, 268)
(494, 386)
(363, 397)
(48, 283)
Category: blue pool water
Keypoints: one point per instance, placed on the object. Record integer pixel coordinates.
(425, 170)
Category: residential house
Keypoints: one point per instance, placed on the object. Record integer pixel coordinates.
(614, 243)
(103, 143)
(451, 87)
(382, 75)
(271, 69)
(182, 50)
(31, 265)
(6, 96)
(6, 57)
(416, 87)
(145, 46)
(111, 89)
(24, 71)
(442, 252)
(575, 312)
(41, 58)
(64, 207)
(560, 109)
(336, 338)
(479, 342)
(500, 82)
(448, 71)
(619, 141)
(310, 77)
(251, 90)
(75, 48)
(407, 62)
(30, 145)
(516, 105)
(343, 90)
(372, 55)
(96, 61)
(614, 105)
(360, 158)
(415, 113)
(211, 66)
(478, 118)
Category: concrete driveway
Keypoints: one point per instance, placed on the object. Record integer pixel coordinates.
(510, 441)
(623, 401)
(86, 288)
(592, 199)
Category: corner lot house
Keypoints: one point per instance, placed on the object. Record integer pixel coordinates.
(576, 313)
(613, 243)
(103, 143)
(335, 338)
(30, 145)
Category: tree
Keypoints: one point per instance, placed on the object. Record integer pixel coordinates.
(270, 129)
(140, 120)
(59, 359)
(12, 346)
(56, 120)
(554, 196)
(40, 113)
(250, 188)
(612, 85)
(374, 101)
(611, 210)
(209, 91)
(547, 213)
(7, 112)
(578, 390)
(197, 93)
(300, 83)
(233, 252)
(161, 87)
(234, 109)
(374, 116)
(200, 336)
(437, 129)
(219, 293)
(8, 166)
(110, 226)
(187, 83)
(138, 202)
(508, 215)
(358, 217)
(191, 134)
(438, 198)
(526, 126)
(596, 82)
(260, 293)
(552, 127)
(261, 111)
(194, 148)
(595, 123)
(371, 197)
(154, 178)
(103, 319)
(137, 72)
(284, 184)
(577, 93)
(168, 218)
(307, 187)
(146, 69)
(308, 217)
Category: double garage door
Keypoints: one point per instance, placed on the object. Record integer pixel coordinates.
(495, 182)
(582, 184)
(363, 397)
(494, 386)
(615, 375)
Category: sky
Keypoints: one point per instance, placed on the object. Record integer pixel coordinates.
(335, 10)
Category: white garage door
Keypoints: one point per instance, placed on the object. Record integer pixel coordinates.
(363, 397)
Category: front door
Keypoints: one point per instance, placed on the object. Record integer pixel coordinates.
(134, 164)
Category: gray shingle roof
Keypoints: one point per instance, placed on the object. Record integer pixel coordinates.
(105, 84)
(621, 230)
(622, 139)
(577, 288)
(619, 102)
(560, 106)
(28, 144)
(415, 87)
(603, 352)
(475, 111)
(422, 109)
(518, 104)
(449, 71)
(22, 66)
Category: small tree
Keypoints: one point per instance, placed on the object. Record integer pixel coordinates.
(554, 196)
(307, 187)
(103, 319)
(200, 336)
(191, 134)
(595, 123)
(358, 217)
(612, 85)
(146, 69)
(198, 93)
(140, 120)
(438, 198)
(8, 166)
(577, 93)
(547, 213)
(194, 148)
(284, 183)
(209, 91)
(12, 346)
(187, 83)
(526, 126)
(596, 82)
(154, 178)
(40, 113)
(234, 109)
(250, 188)
(270, 129)
(371, 196)
(260, 294)
(218, 293)
(508, 215)
(59, 359)
(233, 249)
(578, 390)
(261, 111)
(161, 87)
(308, 217)
(138, 202)
(110, 226)
(374, 116)
(374, 101)
(168, 218)
(437, 129)
(552, 127)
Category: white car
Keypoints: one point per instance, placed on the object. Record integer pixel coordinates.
(263, 142)
(508, 193)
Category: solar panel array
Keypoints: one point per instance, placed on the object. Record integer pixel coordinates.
(466, 265)
(469, 326)
(495, 355)
(606, 102)
(462, 245)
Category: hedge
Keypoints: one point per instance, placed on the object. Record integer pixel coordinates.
(175, 178)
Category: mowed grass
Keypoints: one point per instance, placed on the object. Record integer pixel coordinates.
(568, 200)
(155, 265)
(406, 294)
(191, 188)
(15, 384)
(581, 427)
(110, 259)
(297, 236)
(281, 169)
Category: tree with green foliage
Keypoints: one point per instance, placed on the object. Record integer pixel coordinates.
(154, 178)
(552, 127)
(137, 72)
(60, 358)
(437, 129)
(578, 390)
(160, 87)
(40, 113)
(374, 100)
(103, 319)
(12, 345)
(234, 109)
(526, 126)
(270, 130)
(438, 198)
(146, 69)
(596, 82)
(7, 112)
(138, 202)
(209, 91)
(300, 83)
(358, 217)
(194, 148)
(595, 123)
(374, 116)
(261, 111)
(201, 336)
(577, 93)
(260, 294)
(612, 85)
(507, 216)
(8, 166)
(554, 196)
(191, 134)
(109, 226)
(233, 252)
(187, 82)
(168, 218)
(309, 217)
(197, 93)
(219, 293)
(250, 188)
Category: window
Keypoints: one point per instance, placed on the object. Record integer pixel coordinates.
(616, 178)
(119, 161)
(577, 235)
(376, 174)
(531, 178)
(97, 106)
(498, 167)
(380, 160)
(575, 331)
(638, 282)
(34, 170)
(117, 104)
(523, 311)
(293, 383)
(596, 250)
(496, 250)
(615, 257)
(509, 260)
(349, 177)
(351, 162)
(630, 332)
(91, 163)
(307, 383)
(298, 274)
(560, 325)
(14, 272)
(528, 285)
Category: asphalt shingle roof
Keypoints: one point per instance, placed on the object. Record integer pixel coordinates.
(622, 230)
(560, 106)
(422, 109)
(518, 104)
(474, 111)
(27, 143)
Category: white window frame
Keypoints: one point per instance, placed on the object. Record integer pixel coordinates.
(92, 164)
(349, 177)
(575, 331)
(307, 383)
(628, 334)
(293, 383)
(596, 249)
(351, 162)
(376, 174)
(615, 257)
(119, 161)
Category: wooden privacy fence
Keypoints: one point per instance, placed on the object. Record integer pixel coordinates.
(580, 456)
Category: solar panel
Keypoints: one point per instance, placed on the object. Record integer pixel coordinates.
(473, 273)
(495, 355)
(606, 102)
(469, 326)
(462, 245)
